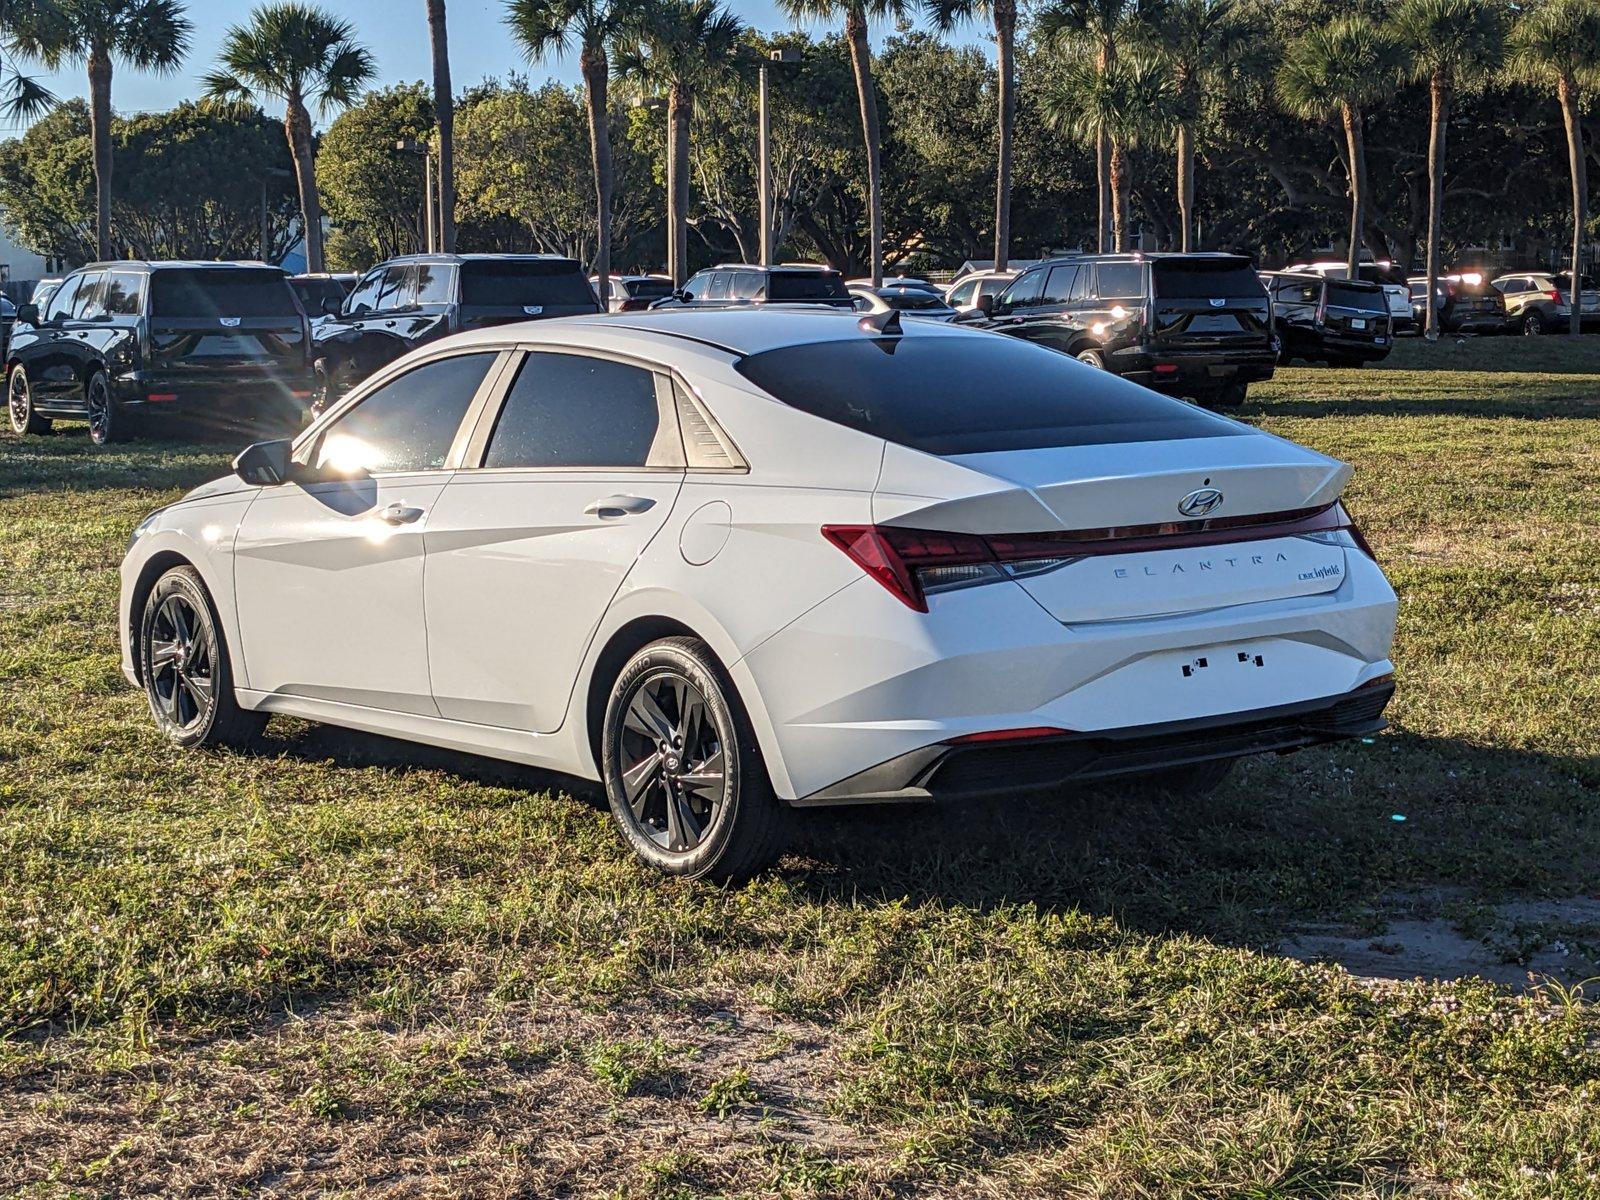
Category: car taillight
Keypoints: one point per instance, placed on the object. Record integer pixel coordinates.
(916, 563)
(1552, 294)
(1449, 289)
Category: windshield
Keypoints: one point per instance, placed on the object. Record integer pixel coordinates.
(221, 292)
(648, 289)
(1194, 280)
(971, 394)
(525, 284)
(806, 285)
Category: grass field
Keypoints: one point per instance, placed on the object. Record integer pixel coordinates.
(345, 966)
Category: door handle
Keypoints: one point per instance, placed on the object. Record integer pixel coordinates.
(399, 514)
(619, 506)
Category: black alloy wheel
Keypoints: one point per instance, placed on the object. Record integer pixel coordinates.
(183, 663)
(684, 777)
(19, 405)
(107, 422)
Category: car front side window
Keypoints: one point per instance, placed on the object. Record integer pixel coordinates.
(61, 303)
(409, 423)
(365, 296)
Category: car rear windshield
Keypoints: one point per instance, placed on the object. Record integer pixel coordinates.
(806, 285)
(649, 289)
(221, 292)
(1200, 281)
(971, 395)
(912, 300)
(524, 284)
(1344, 296)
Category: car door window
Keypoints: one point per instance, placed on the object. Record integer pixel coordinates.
(717, 288)
(437, 285)
(695, 289)
(366, 293)
(410, 423)
(746, 285)
(571, 410)
(963, 294)
(1058, 287)
(1024, 291)
(993, 287)
(60, 306)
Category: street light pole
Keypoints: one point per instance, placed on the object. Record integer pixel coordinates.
(430, 225)
(788, 54)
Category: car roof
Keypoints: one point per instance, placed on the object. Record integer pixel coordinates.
(168, 264)
(456, 259)
(774, 269)
(739, 331)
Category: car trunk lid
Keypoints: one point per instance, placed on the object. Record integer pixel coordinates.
(1215, 302)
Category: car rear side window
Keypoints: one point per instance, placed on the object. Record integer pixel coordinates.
(974, 394)
(210, 294)
(806, 285)
(525, 285)
(410, 422)
(570, 410)
(1122, 281)
(435, 284)
(1190, 280)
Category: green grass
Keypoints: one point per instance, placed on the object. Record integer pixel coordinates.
(347, 966)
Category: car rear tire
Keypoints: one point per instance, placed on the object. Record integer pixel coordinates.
(1190, 779)
(1232, 396)
(1091, 358)
(183, 662)
(108, 421)
(19, 405)
(1532, 324)
(683, 773)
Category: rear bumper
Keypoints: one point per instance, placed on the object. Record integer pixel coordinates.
(1186, 371)
(241, 391)
(945, 772)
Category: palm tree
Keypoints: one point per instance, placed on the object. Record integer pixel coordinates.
(298, 54)
(857, 14)
(544, 28)
(1206, 44)
(1002, 14)
(1337, 70)
(1071, 25)
(1120, 106)
(444, 112)
(1557, 45)
(1449, 45)
(150, 35)
(680, 47)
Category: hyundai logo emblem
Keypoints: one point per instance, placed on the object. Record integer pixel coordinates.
(1200, 502)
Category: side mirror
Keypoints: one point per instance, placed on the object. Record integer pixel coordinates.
(683, 294)
(264, 464)
(984, 304)
(27, 314)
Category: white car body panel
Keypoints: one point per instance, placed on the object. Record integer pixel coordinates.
(482, 623)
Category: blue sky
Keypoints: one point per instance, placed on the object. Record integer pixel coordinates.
(396, 31)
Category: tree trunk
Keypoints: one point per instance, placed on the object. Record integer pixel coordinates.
(1185, 187)
(1119, 207)
(1358, 185)
(596, 79)
(1440, 93)
(679, 106)
(855, 29)
(100, 138)
(1102, 160)
(1580, 198)
(1005, 36)
(297, 125)
(444, 112)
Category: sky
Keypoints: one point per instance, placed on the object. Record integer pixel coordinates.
(395, 31)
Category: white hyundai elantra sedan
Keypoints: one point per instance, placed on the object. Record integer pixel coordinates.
(733, 561)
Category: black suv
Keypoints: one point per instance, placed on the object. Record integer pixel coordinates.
(405, 302)
(1319, 318)
(213, 342)
(738, 284)
(1194, 325)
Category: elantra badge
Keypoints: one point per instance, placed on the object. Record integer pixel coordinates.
(1200, 502)
(533, 310)
(1216, 303)
(229, 322)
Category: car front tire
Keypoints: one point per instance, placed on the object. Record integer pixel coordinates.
(1092, 358)
(684, 776)
(19, 405)
(183, 663)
